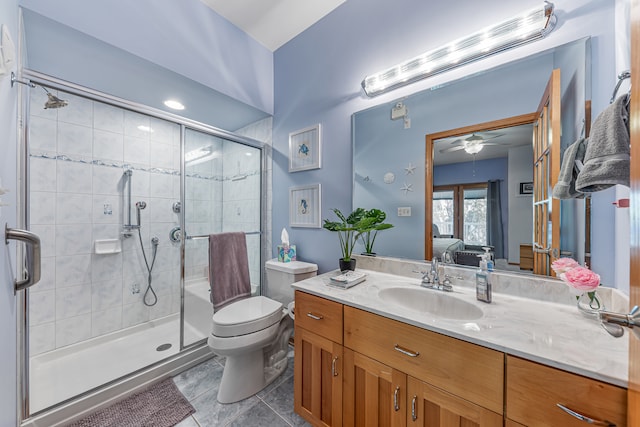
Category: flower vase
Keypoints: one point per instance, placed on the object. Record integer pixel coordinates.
(590, 304)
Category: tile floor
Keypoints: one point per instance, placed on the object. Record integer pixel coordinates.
(272, 407)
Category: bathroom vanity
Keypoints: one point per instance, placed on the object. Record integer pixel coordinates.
(382, 353)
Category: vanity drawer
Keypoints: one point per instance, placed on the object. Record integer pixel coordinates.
(319, 315)
(534, 390)
(467, 370)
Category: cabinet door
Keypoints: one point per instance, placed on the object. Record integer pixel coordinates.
(373, 394)
(432, 407)
(317, 379)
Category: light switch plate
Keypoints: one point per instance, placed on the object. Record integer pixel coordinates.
(404, 211)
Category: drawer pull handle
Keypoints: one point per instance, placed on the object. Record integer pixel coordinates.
(585, 418)
(396, 403)
(315, 316)
(405, 351)
(414, 414)
(334, 371)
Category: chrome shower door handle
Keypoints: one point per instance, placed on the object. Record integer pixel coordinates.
(32, 242)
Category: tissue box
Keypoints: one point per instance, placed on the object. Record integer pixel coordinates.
(286, 253)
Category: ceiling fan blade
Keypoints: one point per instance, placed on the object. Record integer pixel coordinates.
(451, 149)
(487, 136)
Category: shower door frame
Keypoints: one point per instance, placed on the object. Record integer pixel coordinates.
(188, 355)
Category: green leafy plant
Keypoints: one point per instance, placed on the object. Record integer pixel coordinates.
(371, 222)
(348, 229)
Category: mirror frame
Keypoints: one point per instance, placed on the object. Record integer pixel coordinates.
(428, 167)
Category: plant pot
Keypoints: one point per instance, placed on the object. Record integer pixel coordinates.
(347, 265)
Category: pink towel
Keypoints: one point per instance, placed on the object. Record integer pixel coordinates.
(228, 268)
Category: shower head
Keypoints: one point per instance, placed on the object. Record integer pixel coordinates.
(53, 101)
(139, 206)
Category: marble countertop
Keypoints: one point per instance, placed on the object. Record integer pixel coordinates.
(554, 334)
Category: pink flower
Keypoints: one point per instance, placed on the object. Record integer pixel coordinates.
(562, 265)
(581, 278)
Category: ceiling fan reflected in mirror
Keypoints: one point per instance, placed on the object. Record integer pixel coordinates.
(472, 143)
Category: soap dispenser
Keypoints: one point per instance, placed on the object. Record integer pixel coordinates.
(483, 278)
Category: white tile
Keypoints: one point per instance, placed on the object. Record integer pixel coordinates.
(42, 338)
(132, 123)
(108, 145)
(106, 267)
(43, 207)
(106, 294)
(75, 140)
(108, 180)
(43, 174)
(161, 185)
(163, 131)
(42, 307)
(73, 270)
(73, 330)
(47, 234)
(140, 184)
(42, 134)
(159, 210)
(107, 117)
(105, 231)
(79, 110)
(136, 150)
(74, 177)
(134, 314)
(72, 301)
(73, 208)
(47, 275)
(73, 239)
(161, 155)
(103, 322)
(162, 307)
(107, 209)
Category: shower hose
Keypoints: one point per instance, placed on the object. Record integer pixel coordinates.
(154, 251)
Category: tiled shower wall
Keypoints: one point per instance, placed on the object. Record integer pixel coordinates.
(78, 155)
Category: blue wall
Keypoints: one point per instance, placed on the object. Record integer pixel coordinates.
(183, 36)
(318, 75)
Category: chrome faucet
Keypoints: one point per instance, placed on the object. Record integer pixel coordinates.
(435, 278)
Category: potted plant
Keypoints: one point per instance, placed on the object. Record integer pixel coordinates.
(372, 221)
(348, 232)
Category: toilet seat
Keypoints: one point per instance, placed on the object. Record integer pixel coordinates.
(246, 316)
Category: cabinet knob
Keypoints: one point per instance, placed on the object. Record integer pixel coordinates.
(585, 418)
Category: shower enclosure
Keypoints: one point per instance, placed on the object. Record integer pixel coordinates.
(123, 198)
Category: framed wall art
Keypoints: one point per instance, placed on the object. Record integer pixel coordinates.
(304, 149)
(304, 206)
(526, 188)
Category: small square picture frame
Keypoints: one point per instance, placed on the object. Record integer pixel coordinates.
(526, 189)
(305, 149)
(305, 206)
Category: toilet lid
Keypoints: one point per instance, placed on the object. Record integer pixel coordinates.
(246, 316)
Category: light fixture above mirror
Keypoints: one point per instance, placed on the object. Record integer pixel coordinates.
(529, 26)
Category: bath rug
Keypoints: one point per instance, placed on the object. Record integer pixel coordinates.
(160, 405)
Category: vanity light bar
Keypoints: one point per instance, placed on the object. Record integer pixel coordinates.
(532, 25)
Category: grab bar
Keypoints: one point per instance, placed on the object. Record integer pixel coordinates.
(32, 242)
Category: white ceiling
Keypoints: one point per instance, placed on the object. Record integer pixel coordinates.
(273, 22)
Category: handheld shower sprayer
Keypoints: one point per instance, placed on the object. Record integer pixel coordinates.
(139, 206)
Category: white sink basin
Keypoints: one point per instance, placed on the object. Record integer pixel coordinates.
(431, 301)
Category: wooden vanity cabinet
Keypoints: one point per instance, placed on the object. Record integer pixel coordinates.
(318, 360)
(373, 393)
(534, 390)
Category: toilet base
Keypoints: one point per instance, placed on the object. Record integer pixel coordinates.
(243, 376)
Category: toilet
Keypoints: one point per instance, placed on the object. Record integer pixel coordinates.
(253, 333)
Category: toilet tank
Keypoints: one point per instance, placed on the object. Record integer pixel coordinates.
(280, 276)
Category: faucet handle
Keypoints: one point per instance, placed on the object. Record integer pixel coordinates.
(446, 284)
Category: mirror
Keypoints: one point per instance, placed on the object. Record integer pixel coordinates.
(391, 168)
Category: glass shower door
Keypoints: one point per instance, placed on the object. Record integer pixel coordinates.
(222, 193)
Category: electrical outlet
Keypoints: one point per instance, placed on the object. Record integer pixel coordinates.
(404, 211)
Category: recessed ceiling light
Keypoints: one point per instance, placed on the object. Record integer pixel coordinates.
(171, 103)
(144, 128)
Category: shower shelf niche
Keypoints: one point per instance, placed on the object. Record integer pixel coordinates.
(107, 246)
